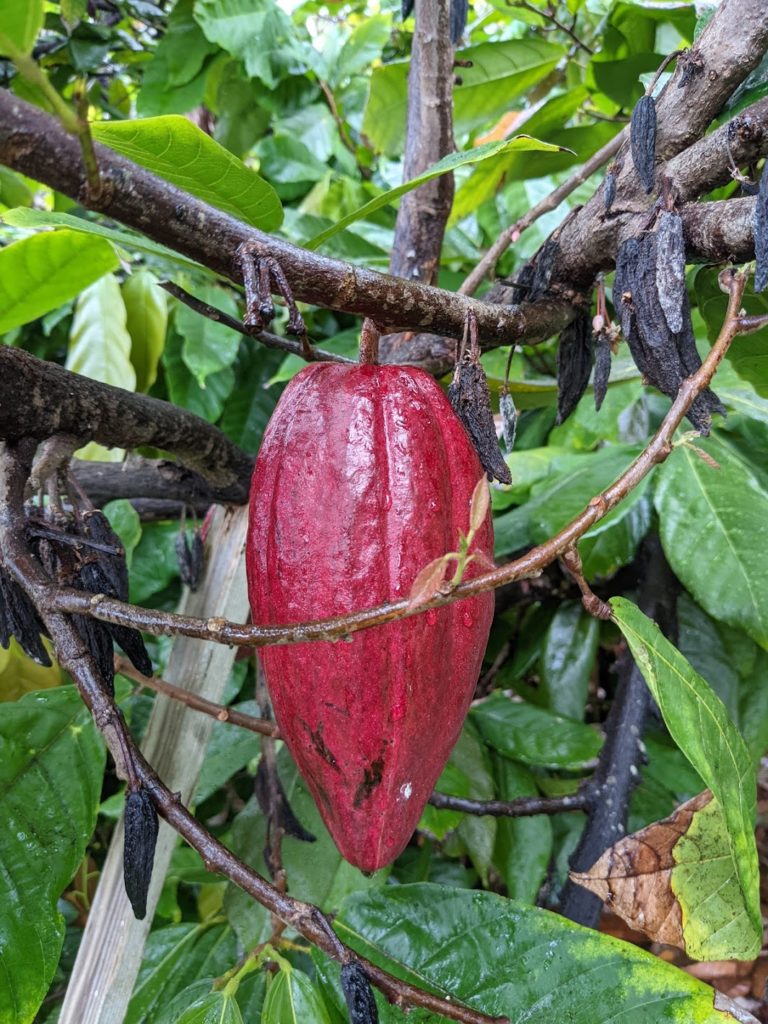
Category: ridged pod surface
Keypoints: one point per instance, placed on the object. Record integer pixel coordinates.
(364, 476)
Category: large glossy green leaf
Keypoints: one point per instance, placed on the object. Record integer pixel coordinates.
(175, 958)
(20, 22)
(180, 152)
(503, 957)
(185, 390)
(709, 520)
(251, 403)
(51, 764)
(146, 310)
(499, 72)
(701, 727)
(521, 143)
(21, 217)
(317, 871)
(214, 1008)
(175, 63)
(533, 735)
(41, 272)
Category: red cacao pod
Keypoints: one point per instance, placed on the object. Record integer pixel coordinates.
(364, 476)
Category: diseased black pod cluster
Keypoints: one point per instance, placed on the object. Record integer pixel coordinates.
(760, 230)
(358, 994)
(665, 357)
(141, 827)
(642, 137)
(83, 552)
(574, 364)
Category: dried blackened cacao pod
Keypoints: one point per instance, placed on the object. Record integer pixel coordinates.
(471, 400)
(521, 284)
(141, 828)
(760, 230)
(602, 369)
(358, 993)
(574, 364)
(96, 577)
(642, 134)
(670, 268)
(97, 528)
(364, 477)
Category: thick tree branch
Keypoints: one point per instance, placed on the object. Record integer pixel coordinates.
(40, 399)
(34, 143)
(423, 213)
(157, 479)
(307, 920)
(530, 564)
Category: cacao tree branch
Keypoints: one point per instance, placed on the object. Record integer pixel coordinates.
(40, 399)
(33, 142)
(522, 807)
(157, 479)
(73, 655)
(528, 565)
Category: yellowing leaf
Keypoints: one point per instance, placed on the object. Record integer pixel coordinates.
(20, 674)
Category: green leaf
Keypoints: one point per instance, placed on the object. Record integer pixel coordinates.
(51, 767)
(146, 309)
(175, 958)
(39, 273)
(215, 1008)
(499, 72)
(449, 163)
(185, 391)
(23, 218)
(209, 346)
(229, 750)
(363, 47)
(317, 871)
(708, 521)
(20, 23)
(533, 735)
(293, 999)
(699, 724)
(252, 402)
(612, 542)
(749, 354)
(503, 957)
(523, 845)
(154, 564)
(257, 32)
(180, 152)
(567, 660)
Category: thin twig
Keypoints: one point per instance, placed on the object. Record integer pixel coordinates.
(218, 711)
(551, 202)
(522, 807)
(266, 338)
(528, 565)
(73, 655)
(550, 14)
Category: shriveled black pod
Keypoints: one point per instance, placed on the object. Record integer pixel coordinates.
(141, 826)
(642, 135)
(760, 229)
(471, 401)
(602, 369)
(189, 557)
(358, 994)
(574, 364)
(19, 619)
(274, 803)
